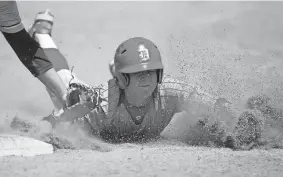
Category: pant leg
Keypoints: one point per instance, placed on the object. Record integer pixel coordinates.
(58, 60)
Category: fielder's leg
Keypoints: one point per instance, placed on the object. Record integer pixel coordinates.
(28, 50)
(41, 32)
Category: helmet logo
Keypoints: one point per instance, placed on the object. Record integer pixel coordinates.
(143, 53)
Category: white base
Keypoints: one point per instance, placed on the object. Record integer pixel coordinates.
(15, 145)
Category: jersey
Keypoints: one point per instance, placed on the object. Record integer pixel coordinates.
(111, 120)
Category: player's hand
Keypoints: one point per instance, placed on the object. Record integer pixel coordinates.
(81, 94)
(80, 101)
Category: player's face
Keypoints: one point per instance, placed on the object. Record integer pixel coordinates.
(142, 84)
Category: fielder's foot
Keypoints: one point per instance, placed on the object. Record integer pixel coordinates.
(43, 23)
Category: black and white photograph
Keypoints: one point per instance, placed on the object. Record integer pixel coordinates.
(141, 88)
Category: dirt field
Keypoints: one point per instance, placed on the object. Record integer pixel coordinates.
(233, 49)
(157, 160)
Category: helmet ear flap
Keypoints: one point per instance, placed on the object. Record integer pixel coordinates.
(122, 79)
(127, 79)
(159, 76)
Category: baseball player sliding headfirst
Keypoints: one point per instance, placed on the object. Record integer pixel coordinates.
(136, 104)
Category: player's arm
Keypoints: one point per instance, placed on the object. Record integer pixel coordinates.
(93, 109)
(81, 99)
(28, 50)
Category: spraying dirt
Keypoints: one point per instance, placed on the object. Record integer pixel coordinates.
(229, 48)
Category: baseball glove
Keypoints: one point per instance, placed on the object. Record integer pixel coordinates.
(81, 99)
(79, 93)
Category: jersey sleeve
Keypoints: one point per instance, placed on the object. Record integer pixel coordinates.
(10, 20)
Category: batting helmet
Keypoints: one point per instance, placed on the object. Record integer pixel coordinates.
(136, 55)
